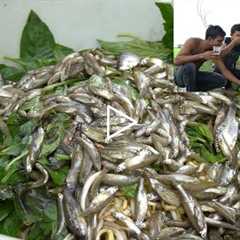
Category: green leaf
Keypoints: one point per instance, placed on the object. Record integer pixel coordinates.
(211, 157)
(13, 176)
(167, 14)
(50, 147)
(201, 141)
(10, 167)
(137, 46)
(59, 176)
(13, 150)
(54, 133)
(27, 128)
(33, 63)
(9, 173)
(32, 105)
(15, 119)
(200, 130)
(37, 49)
(61, 51)
(5, 209)
(156, 166)
(11, 73)
(130, 190)
(40, 231)
(14, 122)
(5, 135)
(26, 65)
(43, 213)
(61, 157)
(11, 225)
(50, 212)
(37, 39)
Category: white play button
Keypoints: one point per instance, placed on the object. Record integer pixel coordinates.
(132, 122)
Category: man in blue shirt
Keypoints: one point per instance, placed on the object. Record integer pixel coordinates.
(231, 53)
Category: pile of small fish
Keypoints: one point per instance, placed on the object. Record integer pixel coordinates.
(177, 195)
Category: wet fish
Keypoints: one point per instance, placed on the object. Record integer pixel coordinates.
(132, 228)
(61, 218)
(144, 158)
(229, 213)
(34, 148)
(193, 210)
(86, 189)
(75, 222)
(101, 200)
(227, 132)
(165, 193)
(141, 205)
(76, 163)
(92, 151)
(119, 180)
(127, 61)
(142, 82)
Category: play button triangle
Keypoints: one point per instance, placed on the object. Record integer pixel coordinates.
(115, 134)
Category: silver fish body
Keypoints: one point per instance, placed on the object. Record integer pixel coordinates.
(34, 148)
(101, 200)
(141, 205)
(73, 216)
(194, 212)
(127, 61)
(227, 132)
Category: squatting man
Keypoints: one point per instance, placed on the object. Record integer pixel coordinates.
(224, 53)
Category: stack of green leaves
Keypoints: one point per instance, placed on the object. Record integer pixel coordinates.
(160, 49)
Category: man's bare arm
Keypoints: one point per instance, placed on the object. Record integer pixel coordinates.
(226, 73)
(228, 48)
(185, 55)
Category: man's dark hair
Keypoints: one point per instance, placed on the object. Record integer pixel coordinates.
(235, 28)
(214, 31)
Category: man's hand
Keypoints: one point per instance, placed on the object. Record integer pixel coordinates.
(209, 55)
(225, 72)
(229, 47)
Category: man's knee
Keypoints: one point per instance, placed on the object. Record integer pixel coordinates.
(222, 80)
(189, 68)
(184, 74)
(236, 72)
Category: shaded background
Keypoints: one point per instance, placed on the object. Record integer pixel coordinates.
(78, 23)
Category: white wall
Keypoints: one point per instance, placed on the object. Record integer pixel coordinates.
(78, 23)
(189, 24)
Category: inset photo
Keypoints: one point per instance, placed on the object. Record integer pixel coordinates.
(206, 45)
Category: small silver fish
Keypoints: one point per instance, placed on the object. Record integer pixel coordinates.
(132, 228)
(227, 132)
(141, 205)
(193, 211)
(128, 61)
(101, 200)
(34, 148)
(75, 220)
